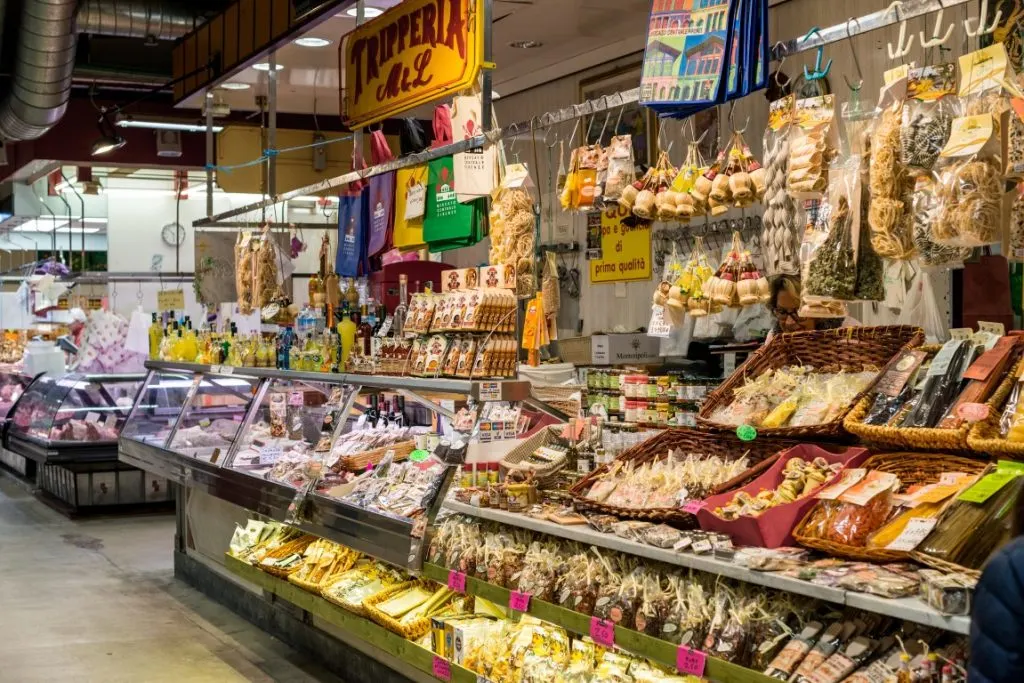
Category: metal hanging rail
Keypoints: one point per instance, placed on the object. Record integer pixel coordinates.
(894, 14)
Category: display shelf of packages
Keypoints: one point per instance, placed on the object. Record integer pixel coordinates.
(437, 626)
(661, 612)
(788, 570)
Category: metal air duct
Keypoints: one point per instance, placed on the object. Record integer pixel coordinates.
(135, 19)
(42, 70)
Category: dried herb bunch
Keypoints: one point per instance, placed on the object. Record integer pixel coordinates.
(833, 272)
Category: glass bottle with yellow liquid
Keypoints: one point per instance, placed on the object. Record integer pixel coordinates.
(347, 332)
(156, 335)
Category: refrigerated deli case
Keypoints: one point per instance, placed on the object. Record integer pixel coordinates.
(67, 426)
(13, 383)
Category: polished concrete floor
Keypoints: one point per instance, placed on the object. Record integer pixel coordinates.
(95, 601)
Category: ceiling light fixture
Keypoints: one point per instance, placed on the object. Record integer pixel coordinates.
(368, 12)
(235, 86)
(150, 124)
(310, 41)
(265, 66)
(525, 44)
(109, 140)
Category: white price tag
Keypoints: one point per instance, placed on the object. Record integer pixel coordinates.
(215, 369)
(227, 370)
(270, 454)
(658, 326)
(916, 531)
(92, 417)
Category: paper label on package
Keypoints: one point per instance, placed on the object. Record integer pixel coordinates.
(846, 479)
(690, 661)
(895, 378)
(658, 326)
(602, 632)
(972, 412)
(917, 530)
(990, 484)
(693, 506)
(702, 546)
(92, 417)
(415, 201)
(270, 454)
(873, 484)
(943, 358)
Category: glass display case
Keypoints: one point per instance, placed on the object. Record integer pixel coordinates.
(213, 415)
(158, 406)
(13, 382)
(74, 409)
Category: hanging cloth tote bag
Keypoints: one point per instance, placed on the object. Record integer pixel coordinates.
(381, 197)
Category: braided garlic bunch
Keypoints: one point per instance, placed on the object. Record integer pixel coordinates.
(780, 237)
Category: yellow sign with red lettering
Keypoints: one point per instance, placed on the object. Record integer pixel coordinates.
(415, 52)
(625, 249)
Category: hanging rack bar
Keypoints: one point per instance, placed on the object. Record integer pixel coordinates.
(869, 22)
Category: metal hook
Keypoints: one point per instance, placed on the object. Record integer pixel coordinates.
(936, 39)
(732, 123)
(782, 61)
(902, 50)
(818, 73)
(547, 121)
(618, 120)
(856, 62)
(981, 29)
(604, 127)
(575, 129)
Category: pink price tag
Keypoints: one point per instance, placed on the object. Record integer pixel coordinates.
(457, 582)
(690, 661)
(442, 668)
(603, 632)
(972, 412)
(693, 506)
(519, 602)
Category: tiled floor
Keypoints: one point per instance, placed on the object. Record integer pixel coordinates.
(95, 601)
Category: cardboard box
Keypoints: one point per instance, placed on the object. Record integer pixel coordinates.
(634, 348)
(774, 527)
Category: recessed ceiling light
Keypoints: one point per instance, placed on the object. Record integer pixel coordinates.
(525, 44)
(368, 12)
(235, 86)
(312, 42)
(265, 66)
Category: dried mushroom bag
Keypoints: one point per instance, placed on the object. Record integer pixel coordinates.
(813, 142)
(832, 272)
(928, 115)
(970, 187)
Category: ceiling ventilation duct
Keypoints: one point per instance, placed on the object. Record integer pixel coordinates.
(153, 20)
(45, 59)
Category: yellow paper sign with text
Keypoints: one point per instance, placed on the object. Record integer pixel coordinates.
(416, 52)
(625, 249)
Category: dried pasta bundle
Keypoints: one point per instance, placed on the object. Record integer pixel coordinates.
(891, 233)
(265, 271)
(512, 224)
(926, 208)
(244, 273)
(970, 205)
(781, 237)
(1017, 225)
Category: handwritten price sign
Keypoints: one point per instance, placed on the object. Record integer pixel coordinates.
(519, 602)
(690, 661)
(442, 669)
(603, 632)
(693, 506)
(457, 582)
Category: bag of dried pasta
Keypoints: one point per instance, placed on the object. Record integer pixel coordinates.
(926, 206)
(970, 187)
(813, 144)
(244, 272)
(927, 115)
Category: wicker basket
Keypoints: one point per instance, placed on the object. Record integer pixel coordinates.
(299, 546)
(567, 398)
(514, 460)
(576, 350)
(410, 631)
(725, 446)
(359, 461)
(848, 345)
(944, 566)
(983, 436)
(343, 561)
(355, 608)
(912, 469)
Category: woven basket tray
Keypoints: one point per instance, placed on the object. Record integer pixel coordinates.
(912, 469)
(849, 346)
(944, 566)
(359, 461)
(297, 546)
(576, 350)
(983, 436)
(514, 460)
(566, 398)
(341, 564)
(725, 446)
(917, 438)
(410, 631)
